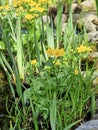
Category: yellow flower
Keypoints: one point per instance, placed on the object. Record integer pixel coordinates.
(83, 49)
(33, 62)
(32, 3)
(39, 9)
(6, 7)
(29, 16)
(21, 8)
(76, 72)
(55, 52)
(58, 52)
(57, 63)
(50, 51)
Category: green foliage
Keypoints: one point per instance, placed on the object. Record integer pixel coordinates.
(58, 91)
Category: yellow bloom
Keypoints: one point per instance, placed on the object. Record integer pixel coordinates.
(83, 49)
(58, 52)
(33, 62)
(6, 7)
(32, 3)
(57, 63)
(29, 16)
(76, 72)
(21, 8)
(39, 9)
(50, 51)
(32, 9)
(55, 52)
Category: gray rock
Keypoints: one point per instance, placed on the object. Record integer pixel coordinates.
(89, 26)
(63, 20)
(88, 17)
(93, 56)
(46, 19)
(74, 5)
(93, 36)
(86, 21)
(90, 125)
(88, 4)
(95, 117)
(64, 26)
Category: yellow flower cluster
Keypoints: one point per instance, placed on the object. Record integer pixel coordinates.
(28, 16)
(27, 9)
(55, 52)
(83, 49)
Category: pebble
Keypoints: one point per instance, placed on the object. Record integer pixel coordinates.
(90, 125)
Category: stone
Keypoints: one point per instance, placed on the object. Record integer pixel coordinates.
(63, 20)
(64, 26)
(74, 5)
(89, 26)
(93, 56)
(46, 19)
(76, 8)
(95, 21)
(95, 117)
(75, 18)
(93, 36)
(88, 17)
(86, 21)
(88, 4)
(90, 125)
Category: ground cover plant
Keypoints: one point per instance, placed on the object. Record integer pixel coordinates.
(50, 87)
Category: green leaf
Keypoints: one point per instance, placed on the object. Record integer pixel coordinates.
(71, 125)
(53, 113)
(2, 45)
(97, 6)
(19, 49)
(50, 37)
(59, 22)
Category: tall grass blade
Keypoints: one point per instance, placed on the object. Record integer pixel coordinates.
(36, 45)
(19, 49)
(50, 37)
(71, 125)
(96, 1)
(34, 114)
(43, 40)
(53, 113)
(12, 28)
(59, 22)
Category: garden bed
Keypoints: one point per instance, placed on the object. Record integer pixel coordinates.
(48, 64)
